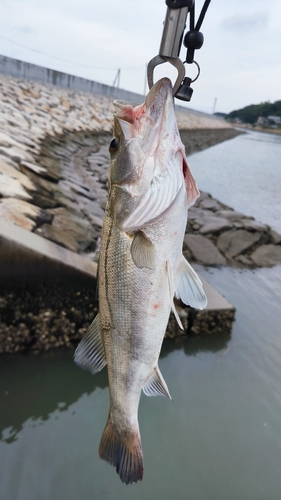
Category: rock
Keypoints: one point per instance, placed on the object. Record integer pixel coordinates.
(7, 168)
(231, 215)
(90, 207)
(43, 200)
(57, 236)
(16, 153)
(7, 141)
(214, 224)
(210, 204)
(35, 168)
(244, 260)
(97, 221)
(267, 255)
(52, 167)
(28, 210)
(79, 229)
(232, 243)
(11, 188)
(276, 238)
(204, 250)
(253, 225)
(10, 214)
(71, 206)
(199, 215)
(79, 190)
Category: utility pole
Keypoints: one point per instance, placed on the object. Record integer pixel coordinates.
(214, 107)
(117, 79)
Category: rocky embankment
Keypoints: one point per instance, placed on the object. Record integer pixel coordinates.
(53, 182)
(54, 159)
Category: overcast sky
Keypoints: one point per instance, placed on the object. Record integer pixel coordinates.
(240, 60)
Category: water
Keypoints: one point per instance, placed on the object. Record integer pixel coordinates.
(220, 437)
(244, 173)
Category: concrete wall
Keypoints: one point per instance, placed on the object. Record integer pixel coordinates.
(28, 71)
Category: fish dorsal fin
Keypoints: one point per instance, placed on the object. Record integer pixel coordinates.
(156, 385)
(172, 292)
(189, 287)
(143, 251)
(90, 354)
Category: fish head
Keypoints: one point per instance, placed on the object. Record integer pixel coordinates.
(147, 158)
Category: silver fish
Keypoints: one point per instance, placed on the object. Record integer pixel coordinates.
(141, 268)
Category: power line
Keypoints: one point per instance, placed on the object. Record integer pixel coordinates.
(69, 62)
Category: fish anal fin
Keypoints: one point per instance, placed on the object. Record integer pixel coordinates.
(143, 251)
(90, 354)
(189, 287)
(122, 449)
(156, 385)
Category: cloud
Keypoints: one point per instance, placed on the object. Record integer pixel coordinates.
(246, 23)
(26, 29)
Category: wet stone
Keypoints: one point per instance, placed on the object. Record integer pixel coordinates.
(276, 237)
(12, 188)
(203, 250)
(57, 236)
(11, 214)
(267, 255)
(210, 204)
(232, 243)
(16, 153)
(52, 167)
(34, 213)
(232, 215)
(253, 225)
(214, 224)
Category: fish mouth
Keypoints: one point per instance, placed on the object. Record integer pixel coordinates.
(159, 93)
(157, 110)
(159, 103)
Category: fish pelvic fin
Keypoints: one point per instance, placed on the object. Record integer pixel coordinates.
(122, 450)
(90, 354)
(156, 385)
(189, 287)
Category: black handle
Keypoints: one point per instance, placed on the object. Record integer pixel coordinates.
(179, 4)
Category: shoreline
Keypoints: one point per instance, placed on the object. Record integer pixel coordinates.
(257, 129)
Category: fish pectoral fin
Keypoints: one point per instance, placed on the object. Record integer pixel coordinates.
(143, 251)
(156, 385)
(171, 289)
(189, 287)
(90, 354)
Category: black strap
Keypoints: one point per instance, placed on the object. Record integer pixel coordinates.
(194, 38)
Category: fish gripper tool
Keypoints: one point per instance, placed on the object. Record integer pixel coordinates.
(172, 38)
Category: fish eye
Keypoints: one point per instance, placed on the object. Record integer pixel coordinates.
(114, 145)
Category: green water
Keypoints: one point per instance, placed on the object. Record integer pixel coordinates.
(219, 439)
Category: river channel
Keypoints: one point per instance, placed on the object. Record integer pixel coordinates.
(220, 436)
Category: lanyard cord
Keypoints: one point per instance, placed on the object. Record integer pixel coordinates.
(194, 38)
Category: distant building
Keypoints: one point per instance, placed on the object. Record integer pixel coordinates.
(275, 119)
(262, 121)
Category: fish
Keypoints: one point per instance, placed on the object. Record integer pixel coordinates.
(141, 268)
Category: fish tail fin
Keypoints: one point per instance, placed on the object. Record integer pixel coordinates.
(122, 449)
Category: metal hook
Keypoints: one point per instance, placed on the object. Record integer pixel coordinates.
(175, 61)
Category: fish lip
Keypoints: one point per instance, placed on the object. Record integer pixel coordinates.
(160, 91)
